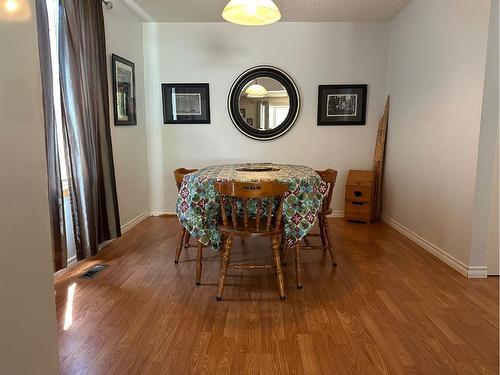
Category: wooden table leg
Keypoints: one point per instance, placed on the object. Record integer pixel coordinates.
(277, 264)
(298, 270)
(182, 234)
(186, 239)
(306, 241)
(199, 263)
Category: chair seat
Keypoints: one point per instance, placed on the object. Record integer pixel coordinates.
(251, 230)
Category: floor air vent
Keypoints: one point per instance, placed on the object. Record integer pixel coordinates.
(92, 272)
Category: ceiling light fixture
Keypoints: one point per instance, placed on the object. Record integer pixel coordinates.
(11, 5)
(14, 10)
(251, 12)
(256, 91)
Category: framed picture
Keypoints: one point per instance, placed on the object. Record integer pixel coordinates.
(243, 112)
(123, 74)
(342, 104)
(186, 103)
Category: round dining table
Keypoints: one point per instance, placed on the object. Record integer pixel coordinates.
(198, 207)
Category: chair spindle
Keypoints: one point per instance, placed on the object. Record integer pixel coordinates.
(279, 213)
(257, 214)
(269, 216)
(223, 211)
(233, 213)
(245, 213)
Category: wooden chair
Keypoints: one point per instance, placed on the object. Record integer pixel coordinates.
(265, 224)
(184, 235)
(328, 176)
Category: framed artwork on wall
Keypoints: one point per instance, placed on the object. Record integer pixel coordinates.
(186, 103)
(342, 104)
(123, 75)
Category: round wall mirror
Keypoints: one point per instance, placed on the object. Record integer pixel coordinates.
(263, 102)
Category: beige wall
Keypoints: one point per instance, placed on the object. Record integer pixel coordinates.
(27, 314)
(436, 69)
(311, 53)
(124, 38)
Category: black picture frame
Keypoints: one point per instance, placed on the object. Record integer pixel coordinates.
(124, 100)
(195, 101)
(342, 104)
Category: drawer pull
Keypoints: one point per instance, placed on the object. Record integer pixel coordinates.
(358, 194)
(358, 203)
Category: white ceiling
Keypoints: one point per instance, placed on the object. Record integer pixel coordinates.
(291, 10)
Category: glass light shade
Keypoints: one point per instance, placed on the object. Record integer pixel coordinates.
(250, 96)
(251, 12)
(256, 91)
(14, 10)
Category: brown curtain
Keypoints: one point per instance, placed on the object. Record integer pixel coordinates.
(56, 202)
(85, 108)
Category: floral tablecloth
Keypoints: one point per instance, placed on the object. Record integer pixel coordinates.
(198, 205)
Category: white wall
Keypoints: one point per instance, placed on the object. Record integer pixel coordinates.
(28, 342)
(492, 254)
(488, 146)
(436, 69)
(124, 38)
(312, 53)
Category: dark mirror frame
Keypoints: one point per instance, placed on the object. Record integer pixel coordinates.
(233, 102)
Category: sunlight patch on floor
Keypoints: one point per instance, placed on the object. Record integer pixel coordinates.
(68, 315)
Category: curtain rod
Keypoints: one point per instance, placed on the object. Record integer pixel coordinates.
(107, 3)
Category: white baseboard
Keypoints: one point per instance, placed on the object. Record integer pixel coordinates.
(132, 223)
(477, 272)
(124, 229)
(162, 211)
(71, 261)
(337, 214)
(465, 270)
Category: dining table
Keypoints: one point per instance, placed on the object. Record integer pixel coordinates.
(198, 203)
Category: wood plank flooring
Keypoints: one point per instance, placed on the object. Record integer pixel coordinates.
(388, 308)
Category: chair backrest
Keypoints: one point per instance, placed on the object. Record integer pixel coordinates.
(179, 174)
(329, 176)
(263, 194)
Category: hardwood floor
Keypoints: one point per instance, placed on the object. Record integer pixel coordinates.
(389, 307)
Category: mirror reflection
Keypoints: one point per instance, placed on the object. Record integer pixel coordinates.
(264, 103)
